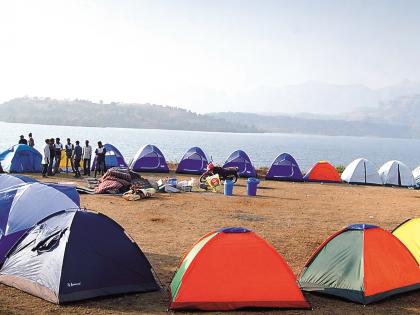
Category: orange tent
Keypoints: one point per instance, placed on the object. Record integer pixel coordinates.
(361, 263)
(234, 268)
(322, 171)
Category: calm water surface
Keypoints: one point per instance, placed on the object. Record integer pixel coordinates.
(262, 148)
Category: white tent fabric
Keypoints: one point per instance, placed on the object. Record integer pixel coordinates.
(416, 174)
(34, 202)
(361, 171)
(396, 173)
(7, 181)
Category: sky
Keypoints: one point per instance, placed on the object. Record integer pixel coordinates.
(203, 55)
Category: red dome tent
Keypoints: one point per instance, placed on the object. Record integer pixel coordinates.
(234, 268)
(322, 171)
(361, 263)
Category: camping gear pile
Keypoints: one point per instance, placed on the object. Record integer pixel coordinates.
(119, 180)
(230, 173)
(52, 249)
(137, 192)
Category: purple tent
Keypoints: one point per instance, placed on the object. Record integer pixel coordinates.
(149, 159)
(241, 160)
(285, 168)
(113, 157)
(194, 161)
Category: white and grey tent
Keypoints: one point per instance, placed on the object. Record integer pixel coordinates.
(396, 173)
(77, 255)
(416, 174)
(361, 171)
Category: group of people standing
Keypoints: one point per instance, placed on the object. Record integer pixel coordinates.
(75, 156)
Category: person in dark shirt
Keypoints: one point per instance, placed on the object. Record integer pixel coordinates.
(22, 140)
(78, 151)
(69, 147)
(52, 157)
(100, 159)
(31, 141)
(58, 148)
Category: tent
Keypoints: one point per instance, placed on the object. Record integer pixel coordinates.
(77, 255)
(9, 180)
(241, 160)
(322, 171)
(396, 173)
(149, 159)
(408, 232)
(361, 263)
(113, 157)
(194, 161)
(284, 167)
(416, 175)
(361, 171)
(24, 205)
(234, 268)
(21, 158)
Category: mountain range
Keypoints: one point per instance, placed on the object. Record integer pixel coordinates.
(397, 117)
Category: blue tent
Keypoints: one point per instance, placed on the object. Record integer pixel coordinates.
(113, 157)
(9, 180)
(24, 205)
(242, 161)
(149, 159)
(194, 161)
(77, 255)
(21, 158)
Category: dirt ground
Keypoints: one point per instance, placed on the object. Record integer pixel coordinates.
(294, 217)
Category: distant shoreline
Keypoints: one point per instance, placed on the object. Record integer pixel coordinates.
(210, 131)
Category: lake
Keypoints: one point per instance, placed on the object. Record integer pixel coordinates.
(262, 148)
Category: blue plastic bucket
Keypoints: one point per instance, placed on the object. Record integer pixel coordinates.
(251, 186)
(172, 182)
(228, 185)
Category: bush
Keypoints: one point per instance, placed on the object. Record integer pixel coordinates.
(340, 168)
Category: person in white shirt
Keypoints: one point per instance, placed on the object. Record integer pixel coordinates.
(87, 154)
(46, 158)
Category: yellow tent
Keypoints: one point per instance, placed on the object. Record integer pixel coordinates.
(63, 162)
(409, 233)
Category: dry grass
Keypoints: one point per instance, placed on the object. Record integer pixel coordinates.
(294, 217)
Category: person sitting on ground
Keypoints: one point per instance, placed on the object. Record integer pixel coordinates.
(46, 158)
(58, 148)
(78, 152)
(87, 155)
(52, 157)
(69, 155)
(31, 141)
(22, 140)
(100, 159)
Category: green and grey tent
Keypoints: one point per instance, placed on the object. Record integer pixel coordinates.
(361, 263)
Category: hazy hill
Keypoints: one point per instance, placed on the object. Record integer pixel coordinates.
(395, 118)
(324, 126)
(309, 97)
(85, 113)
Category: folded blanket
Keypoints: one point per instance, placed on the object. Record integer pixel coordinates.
(108, 186)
